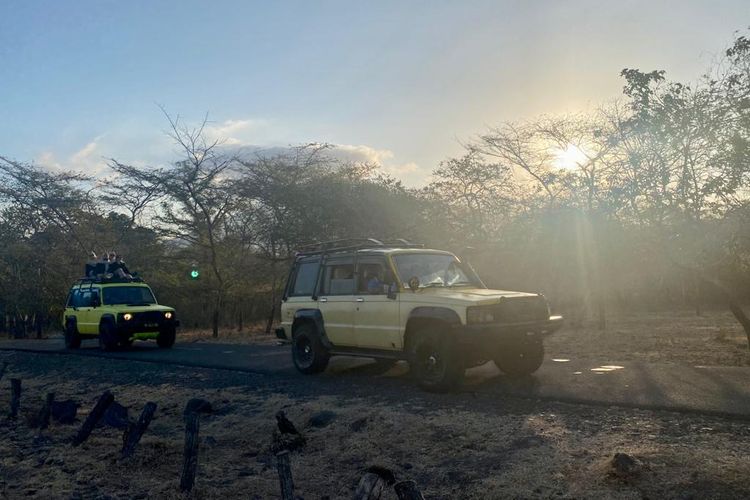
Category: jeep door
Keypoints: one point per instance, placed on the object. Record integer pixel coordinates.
(336, 300)
(86, 318)
(376, 317)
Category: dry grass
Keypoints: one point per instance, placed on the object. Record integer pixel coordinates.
(453, 446)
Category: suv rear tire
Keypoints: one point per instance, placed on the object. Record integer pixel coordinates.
(434, 361)
(166, 337)
(107, 336)
(521, 355)
(308, 353)
(72, 337)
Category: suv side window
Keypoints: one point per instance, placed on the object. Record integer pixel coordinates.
(86, 298)
(74, 298)
(374, 276)
(338, 277)
(304, 281)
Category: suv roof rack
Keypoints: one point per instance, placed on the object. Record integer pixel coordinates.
(353, 244)
(85, 281)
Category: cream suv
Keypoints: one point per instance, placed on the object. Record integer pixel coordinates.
(403, 302)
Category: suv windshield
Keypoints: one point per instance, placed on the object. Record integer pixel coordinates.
(433, 270)
(130, 295)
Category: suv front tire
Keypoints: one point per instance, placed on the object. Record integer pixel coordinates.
(108, 340)
(166, 337)
(434, 361)
(522, 355)
(72, 337)
(308, 353)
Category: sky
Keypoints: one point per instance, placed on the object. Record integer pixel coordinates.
(402, 83)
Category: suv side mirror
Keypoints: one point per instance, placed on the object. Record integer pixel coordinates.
(392, 291)
(96, 301)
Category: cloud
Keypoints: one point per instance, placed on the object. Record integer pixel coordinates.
(237, 132)
(361, 153)
(137, 146)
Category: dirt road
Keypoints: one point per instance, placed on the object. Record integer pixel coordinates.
(717, 390)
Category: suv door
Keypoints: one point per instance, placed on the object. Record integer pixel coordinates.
(376, 317)
(300, 290)
(336, 300)
(83, 300)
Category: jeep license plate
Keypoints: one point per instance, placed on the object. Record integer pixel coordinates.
(151, 325)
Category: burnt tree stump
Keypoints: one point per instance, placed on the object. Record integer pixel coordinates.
(91, 420)
(192, 426)
(285, 475)
(15, 396)
(407, 490)
(46, 411)
(370, 487)
(134, 432)
(373, 483)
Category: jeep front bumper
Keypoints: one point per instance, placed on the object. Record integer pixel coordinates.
(490, 335)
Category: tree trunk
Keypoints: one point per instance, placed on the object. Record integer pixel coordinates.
(215, 324)
(38, 324)
(740, 315)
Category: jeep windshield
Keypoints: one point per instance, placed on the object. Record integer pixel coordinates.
(129, 295)
(433, 270)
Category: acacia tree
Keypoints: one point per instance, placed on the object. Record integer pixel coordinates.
(196, 196)
(681, 141)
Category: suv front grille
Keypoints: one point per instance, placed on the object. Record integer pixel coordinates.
(521, 309)
(149, 316)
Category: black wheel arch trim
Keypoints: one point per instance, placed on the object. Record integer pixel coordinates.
(316, 317)
(435, 313)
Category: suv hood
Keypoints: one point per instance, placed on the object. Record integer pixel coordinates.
(464, 295)
(136, 309)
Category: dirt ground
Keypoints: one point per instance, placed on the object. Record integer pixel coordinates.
(454, 446)
(713, 339)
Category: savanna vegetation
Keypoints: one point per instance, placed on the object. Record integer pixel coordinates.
(643, 203)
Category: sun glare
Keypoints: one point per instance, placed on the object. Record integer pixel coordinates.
(569, 158)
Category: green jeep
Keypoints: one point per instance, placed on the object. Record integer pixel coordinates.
(117, 312)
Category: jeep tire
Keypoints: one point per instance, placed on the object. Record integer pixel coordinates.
(521, 355)
(166, 338)
(308, 352)
(72, 337)
(108, 340)
(434, 361)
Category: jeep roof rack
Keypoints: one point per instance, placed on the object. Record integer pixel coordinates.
(86, 281)
(353, 244)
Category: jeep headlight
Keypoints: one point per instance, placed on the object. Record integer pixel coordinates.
(477, 315)
(127, 316)
(168, 315)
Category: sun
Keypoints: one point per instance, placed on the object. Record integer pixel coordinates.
(570, 158)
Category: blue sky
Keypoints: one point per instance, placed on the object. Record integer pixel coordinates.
(398, 82)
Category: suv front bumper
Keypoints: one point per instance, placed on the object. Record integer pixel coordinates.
(490, 335)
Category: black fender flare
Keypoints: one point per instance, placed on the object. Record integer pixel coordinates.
(107, 318)
(315, 317)
(430, 313)
(71, 319)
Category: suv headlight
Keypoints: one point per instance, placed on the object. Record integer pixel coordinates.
(127, 316)
(479, 314)
(168, 315)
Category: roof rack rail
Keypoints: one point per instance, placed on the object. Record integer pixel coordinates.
(352, 244)
(86, 280)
